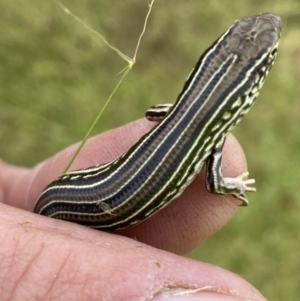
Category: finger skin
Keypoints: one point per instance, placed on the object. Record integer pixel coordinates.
(46, 259)
(187, 222)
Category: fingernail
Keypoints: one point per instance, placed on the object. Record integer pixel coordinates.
(200, 296)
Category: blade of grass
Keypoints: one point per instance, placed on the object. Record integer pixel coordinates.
(125, 72)
(118, 85)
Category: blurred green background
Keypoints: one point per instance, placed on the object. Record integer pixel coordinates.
(55, 76)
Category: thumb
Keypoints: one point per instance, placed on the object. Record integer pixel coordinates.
(56, 260)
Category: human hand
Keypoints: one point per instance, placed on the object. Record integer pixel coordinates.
(47, 259)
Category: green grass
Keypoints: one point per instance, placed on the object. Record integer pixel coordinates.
(55, 76)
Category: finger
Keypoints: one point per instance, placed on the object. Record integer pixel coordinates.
(180, 227)
(21, 187)
(74, 263)
(197, 214)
